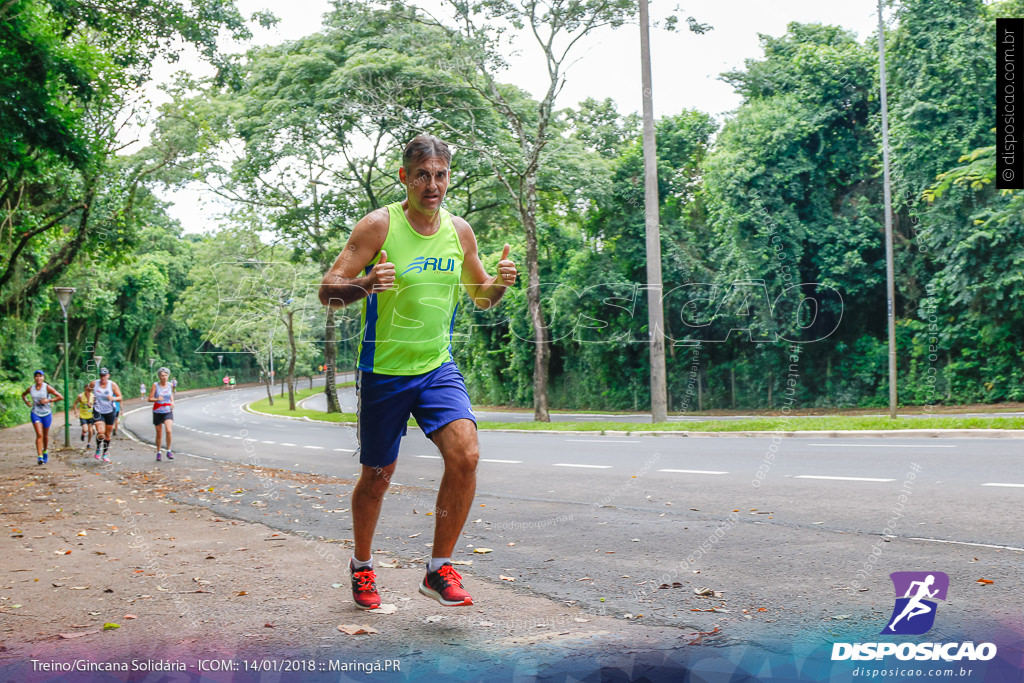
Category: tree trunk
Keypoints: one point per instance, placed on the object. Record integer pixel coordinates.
(331, 362)
(542, 349)
(270, 394)
(291, 360)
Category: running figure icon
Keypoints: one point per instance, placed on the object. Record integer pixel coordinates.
(916, 606)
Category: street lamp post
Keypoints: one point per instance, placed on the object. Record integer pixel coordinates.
(64, 297)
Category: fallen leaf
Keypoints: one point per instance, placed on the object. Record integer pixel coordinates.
(482, 551)
(511, 545)
(433, 619)
(384, 609)
(580, 620)
(268, 625)
(704, 591)
(462, 561)
(337, 585)
(79, 634)
(110, 627)
(486, 624)
(130, 616)
(415, 535)
(62, 552)
(79, 588)
(353, 630)
(393, 564)
(506, 578)
(985, 581)
(241, 593)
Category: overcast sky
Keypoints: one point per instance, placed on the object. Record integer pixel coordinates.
(685, 66)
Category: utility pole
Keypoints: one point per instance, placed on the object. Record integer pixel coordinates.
(890, 286)
(655, 314)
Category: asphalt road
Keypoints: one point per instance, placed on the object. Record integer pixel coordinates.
(798, 535)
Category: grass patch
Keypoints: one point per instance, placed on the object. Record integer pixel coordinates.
(760, 424)
(280, 406)
(771, 424)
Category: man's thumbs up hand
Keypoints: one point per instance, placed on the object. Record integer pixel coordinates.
(383, 274)
(507, 268)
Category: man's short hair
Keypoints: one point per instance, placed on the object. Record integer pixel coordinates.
(423, 147)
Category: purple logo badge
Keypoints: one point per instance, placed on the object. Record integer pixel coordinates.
(916, 593)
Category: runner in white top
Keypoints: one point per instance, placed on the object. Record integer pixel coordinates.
(161, 395)
(105, 391)
(42, 414)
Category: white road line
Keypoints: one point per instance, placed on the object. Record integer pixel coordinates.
(1016, 486)
(880, 445)
(287, 444)
(430, 457)
(601, 441)
(344, 450)
(272, 443)
(694, 471)
(595, 467)
(815, 476)
(315, 448)
(976, 545)
(507, 462)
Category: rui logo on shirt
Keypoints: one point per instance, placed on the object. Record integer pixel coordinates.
(422, 263)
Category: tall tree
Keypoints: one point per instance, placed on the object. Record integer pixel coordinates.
(556, 28)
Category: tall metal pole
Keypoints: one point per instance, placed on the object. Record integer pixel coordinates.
(890, 286)
(655, 315)
(67, 386)
(64, 295)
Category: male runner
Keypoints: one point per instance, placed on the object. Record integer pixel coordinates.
(83, 409)
(406, 261)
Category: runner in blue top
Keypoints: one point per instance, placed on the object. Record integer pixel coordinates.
(42, 415)
(161, 395)
(105, 392)
(117, 414)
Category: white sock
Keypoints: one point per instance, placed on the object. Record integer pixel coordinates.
(362, 564)
(436, 563)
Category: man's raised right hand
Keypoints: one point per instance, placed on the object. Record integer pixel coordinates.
(383, 274)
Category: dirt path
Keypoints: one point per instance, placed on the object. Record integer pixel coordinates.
(91, 545)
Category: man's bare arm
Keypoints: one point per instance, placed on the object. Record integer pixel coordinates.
(485, 290)
(345, 282)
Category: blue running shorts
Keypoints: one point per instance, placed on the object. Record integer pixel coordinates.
(46, 420)
(435, 399)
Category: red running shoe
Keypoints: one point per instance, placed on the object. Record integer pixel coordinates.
(445, 586)
(364, 587)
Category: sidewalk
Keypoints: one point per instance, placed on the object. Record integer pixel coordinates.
(92, 545)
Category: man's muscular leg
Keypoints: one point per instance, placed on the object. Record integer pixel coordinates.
(457, 442)
(367, 497)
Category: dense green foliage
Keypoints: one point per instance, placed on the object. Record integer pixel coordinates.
(779, 203)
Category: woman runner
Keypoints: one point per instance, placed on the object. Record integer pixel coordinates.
(161, 395)
(42, 414)
(83, 409)
(105, 392)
